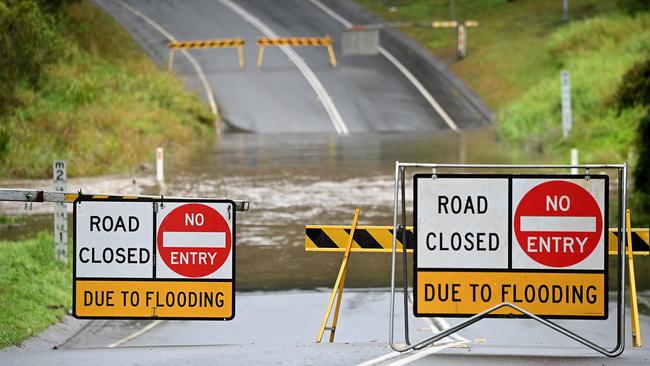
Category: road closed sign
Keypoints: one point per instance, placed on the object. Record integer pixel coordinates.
(536, 241)
(146, 258)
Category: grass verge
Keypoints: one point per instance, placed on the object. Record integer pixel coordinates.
(34, 288)
(515, 58)
(104, 106)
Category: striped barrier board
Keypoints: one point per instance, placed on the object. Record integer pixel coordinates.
(379, 239)
(237, 43)
(453, 24)
(370, 239)
(295, 41)
(640, 241)
(214, 43)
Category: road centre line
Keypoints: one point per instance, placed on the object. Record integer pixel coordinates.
(325, 99)
(192, 60)
(423, 353)
(416, 83)
(446, 342)
(140, 332)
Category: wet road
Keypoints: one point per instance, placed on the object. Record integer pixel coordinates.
(296, 90)
(280, 328)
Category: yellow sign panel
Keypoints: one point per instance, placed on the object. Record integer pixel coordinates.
(555, 295)
(154, 299)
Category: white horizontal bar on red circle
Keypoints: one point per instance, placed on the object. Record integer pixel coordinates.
(184, 239)
(577, 224)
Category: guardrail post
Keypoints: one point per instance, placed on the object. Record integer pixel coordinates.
(170, 60)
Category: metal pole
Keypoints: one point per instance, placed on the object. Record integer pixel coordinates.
(391, 324)
(565, 11)
(27, 195)
(452, 9)
(405, 277)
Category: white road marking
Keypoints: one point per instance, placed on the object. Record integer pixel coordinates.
(423, 353)
(185, 239)
(333, 113)
(416, 83)
(142, 331)
(171, 38)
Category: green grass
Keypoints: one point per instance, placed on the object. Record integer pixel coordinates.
(35, 289)
(515, 57)
(104, 107)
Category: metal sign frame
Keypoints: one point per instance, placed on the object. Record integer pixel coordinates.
(154, 201)
(400, 203)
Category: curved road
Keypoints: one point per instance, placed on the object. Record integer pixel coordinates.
(296, 91)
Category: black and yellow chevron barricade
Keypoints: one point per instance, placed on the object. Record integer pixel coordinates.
(369, 239)
(237, 43)
(640, 241)
(379, 239)
(296, 41)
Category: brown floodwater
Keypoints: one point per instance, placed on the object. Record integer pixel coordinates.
(297, 180)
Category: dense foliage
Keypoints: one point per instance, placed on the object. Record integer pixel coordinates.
(75, 86)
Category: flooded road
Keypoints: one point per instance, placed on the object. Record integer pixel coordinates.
(297, 180)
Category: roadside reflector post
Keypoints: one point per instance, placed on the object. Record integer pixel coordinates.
(337, 291)
(567, 113)
(462, 42)
(170, 60)
(574, 160)
(634, 306)
(60, 212)
(160, 166)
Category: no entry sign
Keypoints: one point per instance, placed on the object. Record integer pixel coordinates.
(150, 258)
(536, 241)
(194, 240)
(558, 224)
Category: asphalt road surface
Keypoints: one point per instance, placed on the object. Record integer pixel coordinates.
(296, 90)
(281, 327)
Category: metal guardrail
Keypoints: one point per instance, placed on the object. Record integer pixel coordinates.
(29, 196)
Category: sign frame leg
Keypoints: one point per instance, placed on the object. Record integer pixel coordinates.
(338, 286)
(634, 306)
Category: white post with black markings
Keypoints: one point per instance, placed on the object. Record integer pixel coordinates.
(60, 177)
(567, 114)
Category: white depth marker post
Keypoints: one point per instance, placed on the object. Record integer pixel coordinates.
(462, 42)
(567, 118)
(574, 160)
(60, 212)
(160, 173)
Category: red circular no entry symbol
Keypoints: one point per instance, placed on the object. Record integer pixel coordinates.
(558, 223)
(194, 240)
